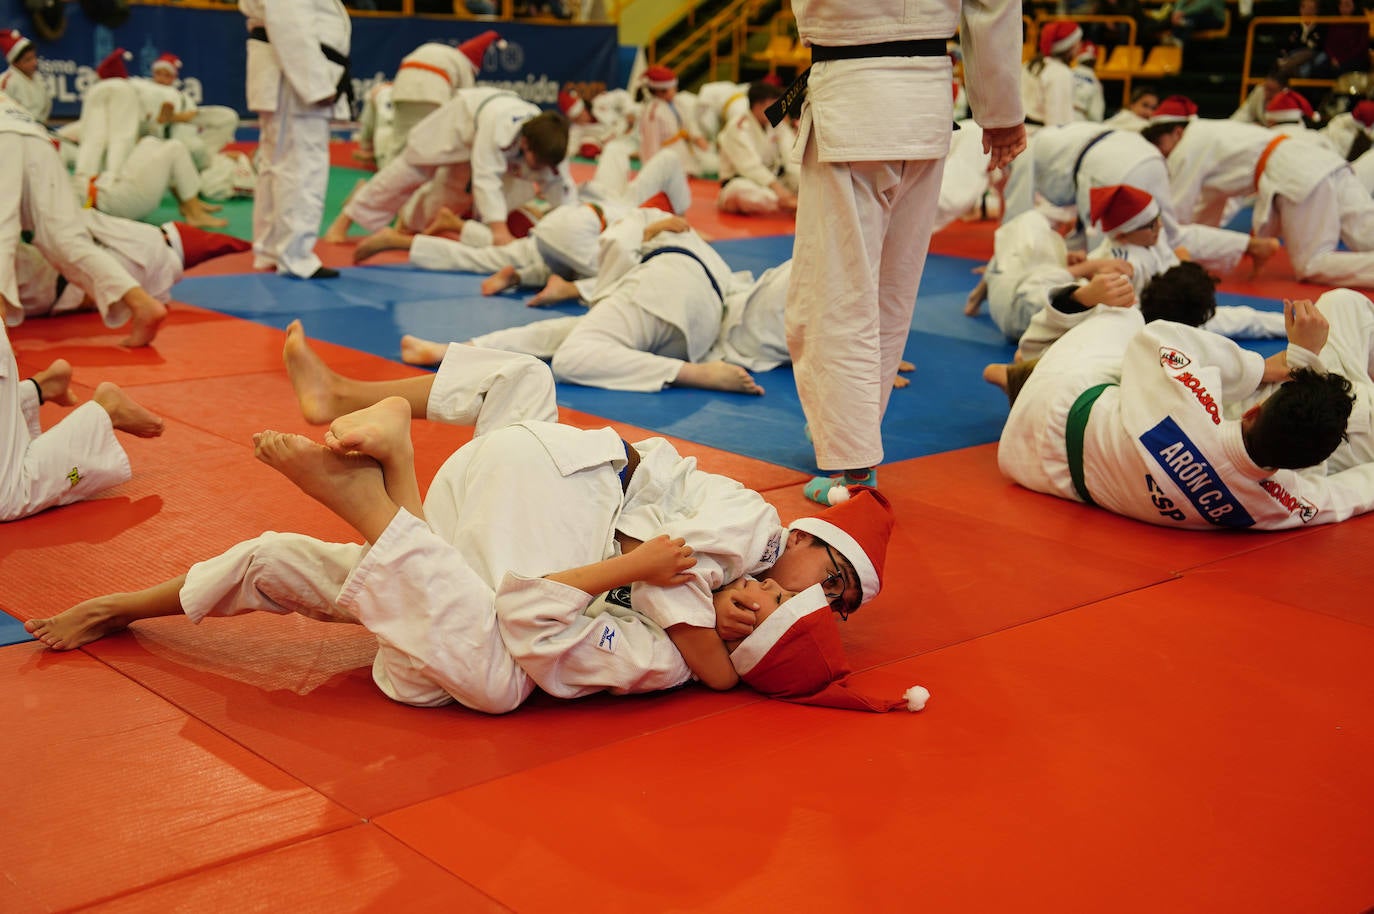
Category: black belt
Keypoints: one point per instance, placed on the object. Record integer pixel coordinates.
(1032, 122)
(673, 249)
(345, 86)
(61, 287)
(790, 102)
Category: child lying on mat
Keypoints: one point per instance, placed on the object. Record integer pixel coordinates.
(455, 589)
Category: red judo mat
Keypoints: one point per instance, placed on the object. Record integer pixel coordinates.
(1124, 718)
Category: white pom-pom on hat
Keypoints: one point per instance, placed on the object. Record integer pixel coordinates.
(837, 494)
(916, 697)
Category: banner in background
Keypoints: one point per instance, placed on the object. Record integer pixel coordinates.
(537, 61)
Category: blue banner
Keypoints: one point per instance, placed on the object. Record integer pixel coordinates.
(536, 63)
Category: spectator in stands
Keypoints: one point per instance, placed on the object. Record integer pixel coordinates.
(1303, 48)
(1347, 44)
(1108, 35)
(1187, 16)
(1251, 111)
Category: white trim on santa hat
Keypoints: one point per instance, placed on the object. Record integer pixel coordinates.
(167, 61)
(848, 547)
(21, 44)
(169, 229)
(760, 641)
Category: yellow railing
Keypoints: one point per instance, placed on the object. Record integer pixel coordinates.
(1248, 81)
(505, 10)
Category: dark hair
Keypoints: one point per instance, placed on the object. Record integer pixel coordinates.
(547, 136)
(762, 92)
(1278, 75)
(1139, 92)
(1153, 132)
(1302, 422)
(1185, 294)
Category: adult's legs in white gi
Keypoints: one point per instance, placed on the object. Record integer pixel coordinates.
(1312, 236)
(294, 173)
(860, 249)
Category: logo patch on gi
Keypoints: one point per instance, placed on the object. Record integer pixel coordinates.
(1192, 473)
(74, 476)
(772, 550)
(619, 596)
(1173, 359)
(607, 640)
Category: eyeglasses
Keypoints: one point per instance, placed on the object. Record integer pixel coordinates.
(834, 586)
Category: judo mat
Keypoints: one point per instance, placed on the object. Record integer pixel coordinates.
(1123, 718)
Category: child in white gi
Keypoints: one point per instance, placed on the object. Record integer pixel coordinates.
(20, 81)
(427, 588)
(1140, 419)
(757, 174)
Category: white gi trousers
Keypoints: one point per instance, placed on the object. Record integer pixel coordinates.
(36, 194)
(1312, 235)
(110, 115)
(137, 188)
(863, 230)
(434, 252)
(615, 182)
(74, 460)
(427, 590)
(293, 174)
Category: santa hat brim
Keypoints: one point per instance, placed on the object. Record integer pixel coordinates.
(20, 46)
(847, 547)
(1138, 221)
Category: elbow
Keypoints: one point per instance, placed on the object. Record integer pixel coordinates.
(720, 680)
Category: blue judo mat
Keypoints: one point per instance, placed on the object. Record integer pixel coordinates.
(12, 630)
(947, 406)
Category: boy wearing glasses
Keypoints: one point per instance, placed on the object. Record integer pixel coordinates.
(526, 498)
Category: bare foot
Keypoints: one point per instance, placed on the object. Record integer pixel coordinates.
(446, 221)
(717, 376)
(380, 431)
(337, 233)
(349, 485)
(996, 373)
(417, 351)
(1260, 250)
(899, 382)
(125, 414)
(311, 378)
(54, 381)
(212, 207)
(148, 315)
(384, 239)
(198, 213)
(82, 624)
(557, 289)
(974, 303)
(498, 282)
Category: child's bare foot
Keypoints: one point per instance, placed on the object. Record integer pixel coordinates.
(125, 414)
(198, 213)
(81, 624)
(384, 239)
(899, 382)
(349, 485)
(446, 221)
(717, 376)
(417, 351)
(1260, 250)
(337, 233)
(148, 315)
(55, 381)
(380, 431)
(500, 281)
(311, 378)
(555, 290)
(974, 303)
(996, 373)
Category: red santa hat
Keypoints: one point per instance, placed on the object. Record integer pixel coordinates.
(1059, 36)
(113, 66)
(571, 103)
(660, 77)
(1174, 109)
(1087, 51)
(857, 524)
(1287, 107)
(772, 79)
(1122, 208)
(1363, 113)
(13, 44)
(194, 245)
(168, 61)
(795, 654)
(474, 49)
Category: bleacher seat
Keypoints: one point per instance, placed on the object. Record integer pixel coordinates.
(1124, 60)
(1163, 60)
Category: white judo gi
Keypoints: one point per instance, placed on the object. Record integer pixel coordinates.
(663, 126)
(29, 91)
(1114, 157)
(72, 461)
(965, 181)
(1089, 104)
(456, 603)
(427, 77)
(1306, 194)
(136, 188)
(1155, 445)
(111, 117)
(1048, 95)
(752, 157)
(36, 195)
(872, 140)
(293, 86)
(1029, 260)
(466, 156)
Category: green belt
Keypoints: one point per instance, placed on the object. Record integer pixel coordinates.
(1074, 428)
